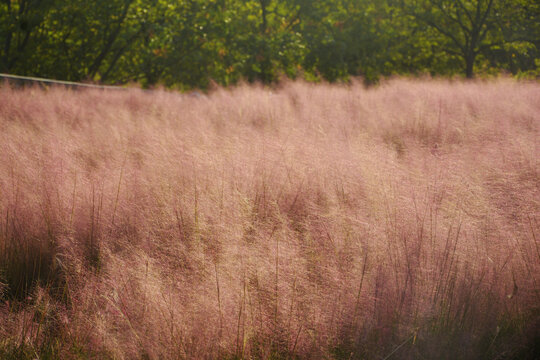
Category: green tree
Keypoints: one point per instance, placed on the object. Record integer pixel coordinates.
(20, 24)
(465, 29)
(174, 46)
(518, 49)
(77, 40)
(352, 38)
(260, 40)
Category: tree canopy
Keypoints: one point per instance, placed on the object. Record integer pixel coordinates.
(190, 43)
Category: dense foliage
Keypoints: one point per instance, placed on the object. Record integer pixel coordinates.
(188, 43)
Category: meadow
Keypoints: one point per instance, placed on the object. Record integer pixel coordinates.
(305, 221)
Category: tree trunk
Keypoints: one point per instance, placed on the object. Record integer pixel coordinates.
(94, 68)
(7, 45)
(469, 65)
(264, 24)
(266, 71)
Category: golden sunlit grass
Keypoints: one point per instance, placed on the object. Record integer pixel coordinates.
(308, 221)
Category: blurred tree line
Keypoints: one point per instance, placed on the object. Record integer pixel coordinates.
(189, 43)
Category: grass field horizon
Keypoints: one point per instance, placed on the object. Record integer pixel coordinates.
(307, 221)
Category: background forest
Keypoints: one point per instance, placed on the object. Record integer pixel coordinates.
(190, 43)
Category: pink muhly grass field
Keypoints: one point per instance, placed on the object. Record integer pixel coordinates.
(307, 221)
